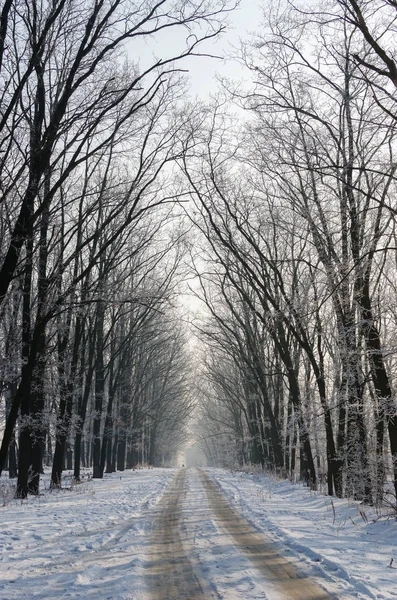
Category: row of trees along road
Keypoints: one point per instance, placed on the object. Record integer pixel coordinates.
(297, 217)
(91, 356)
(295, 247)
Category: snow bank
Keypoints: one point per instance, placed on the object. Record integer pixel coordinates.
(339, 540)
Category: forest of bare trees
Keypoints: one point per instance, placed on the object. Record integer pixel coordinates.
(276, 198)
(296, 212)
(92, 357)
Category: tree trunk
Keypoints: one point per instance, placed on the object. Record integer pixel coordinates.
(121, 452)
(25, 428)
(64, 417)
(79, 456)
(99, 392)
(380, 378)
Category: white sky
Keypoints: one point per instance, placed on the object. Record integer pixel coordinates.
(243, 20)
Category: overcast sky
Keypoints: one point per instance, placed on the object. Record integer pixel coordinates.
(244, 19)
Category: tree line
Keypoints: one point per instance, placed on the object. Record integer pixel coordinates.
(297, 214)
(90, 255)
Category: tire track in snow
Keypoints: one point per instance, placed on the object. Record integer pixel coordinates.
(262, 551)
(170, 573)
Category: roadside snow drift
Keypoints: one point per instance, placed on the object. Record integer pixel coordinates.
(343, 543)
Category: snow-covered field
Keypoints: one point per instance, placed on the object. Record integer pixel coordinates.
(93, 540)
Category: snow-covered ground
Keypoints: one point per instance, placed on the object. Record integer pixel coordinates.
(344, 543)
(94, 540)
(88, 542)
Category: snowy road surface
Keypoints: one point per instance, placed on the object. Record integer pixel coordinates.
(172, 535)
(194, 508)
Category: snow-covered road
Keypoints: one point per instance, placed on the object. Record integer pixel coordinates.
(201, 548)
(163, 534)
